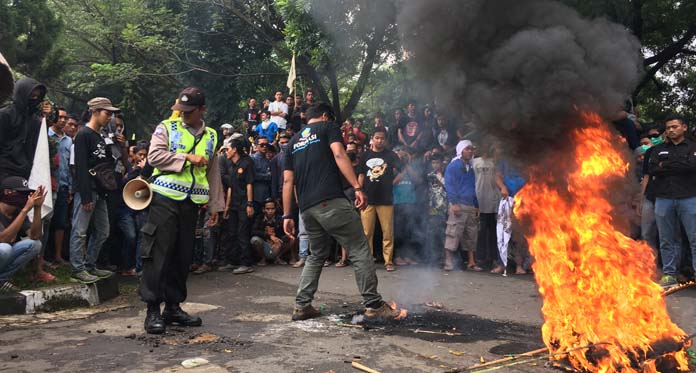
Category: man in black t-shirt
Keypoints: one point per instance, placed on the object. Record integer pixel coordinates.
(251, 114)
(90, 210)
(315, 163)
(239, 208)
(378, 167)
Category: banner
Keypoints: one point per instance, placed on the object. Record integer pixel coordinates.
(291, 76)
(41, 171)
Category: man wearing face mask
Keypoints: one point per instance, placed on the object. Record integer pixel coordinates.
(20, 124)
(16, 201)
(277, 167)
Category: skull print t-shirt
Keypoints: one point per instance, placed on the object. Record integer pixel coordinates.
(379, 170)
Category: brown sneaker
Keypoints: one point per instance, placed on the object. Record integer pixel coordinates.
(308, 312)
(385, 311)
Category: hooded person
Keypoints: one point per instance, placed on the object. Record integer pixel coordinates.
(20, 125)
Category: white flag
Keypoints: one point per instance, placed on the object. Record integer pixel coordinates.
(6, 80)
(291, 76)
(41, 171)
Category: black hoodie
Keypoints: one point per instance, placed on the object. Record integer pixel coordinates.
(20, 125)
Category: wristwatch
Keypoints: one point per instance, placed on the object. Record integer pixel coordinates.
(286, 217)
(357, 189)
(250, 203)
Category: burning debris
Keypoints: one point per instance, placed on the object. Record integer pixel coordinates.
(596, 282)
(542, 79)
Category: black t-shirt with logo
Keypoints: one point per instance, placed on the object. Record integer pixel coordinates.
(240, 174)
(317, 177)
(379, 169)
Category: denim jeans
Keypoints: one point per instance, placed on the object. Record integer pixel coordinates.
(15, 257)
(303, 238)
(96, 222)
(337, 218)
(668, 214)
(130, 223)
(648, 226)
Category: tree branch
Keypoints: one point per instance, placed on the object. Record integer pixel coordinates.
(371, 55)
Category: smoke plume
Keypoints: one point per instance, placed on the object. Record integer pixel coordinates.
(519, 69)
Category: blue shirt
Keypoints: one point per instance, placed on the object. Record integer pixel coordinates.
(269, 132)
(513, 180)
(63, 145)
(460, 183)
(404, 191)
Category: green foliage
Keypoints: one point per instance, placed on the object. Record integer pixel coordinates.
(28, 29)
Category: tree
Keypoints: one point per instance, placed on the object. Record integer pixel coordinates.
(338, 43)
(28, 30)
(667, 31)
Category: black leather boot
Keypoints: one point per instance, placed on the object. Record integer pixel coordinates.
(153, 321)
(173, 314)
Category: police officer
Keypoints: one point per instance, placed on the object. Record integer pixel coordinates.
(187, 175)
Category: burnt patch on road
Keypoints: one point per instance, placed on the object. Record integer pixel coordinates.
(442, 326)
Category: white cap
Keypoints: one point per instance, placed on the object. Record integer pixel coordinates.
(226, 125)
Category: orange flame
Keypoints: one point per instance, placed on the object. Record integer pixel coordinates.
(402, 312)
(596, 283)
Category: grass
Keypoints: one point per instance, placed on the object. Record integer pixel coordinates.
(22, 279)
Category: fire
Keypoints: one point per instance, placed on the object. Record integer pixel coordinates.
(402, 312)
(596, 283)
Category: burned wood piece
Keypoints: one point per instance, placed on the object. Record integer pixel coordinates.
(677, 288)
(506, 359)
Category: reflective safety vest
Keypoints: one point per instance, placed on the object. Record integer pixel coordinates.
(191, 182)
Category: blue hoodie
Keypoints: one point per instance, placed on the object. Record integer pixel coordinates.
(460, 183)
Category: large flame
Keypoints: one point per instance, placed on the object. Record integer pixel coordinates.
(596, 283)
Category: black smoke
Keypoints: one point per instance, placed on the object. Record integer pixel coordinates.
(519, 68)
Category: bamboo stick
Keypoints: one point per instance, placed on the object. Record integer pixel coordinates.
(433, 332)
(359, 366)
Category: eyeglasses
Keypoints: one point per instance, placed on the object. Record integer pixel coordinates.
(264, 145)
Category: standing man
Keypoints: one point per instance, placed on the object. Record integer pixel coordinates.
(462, 223)
(61, 213)
(262, 174)
(182, 151)
(20, 125)
(378, 167)
(279, 111)
(251, 114)
(239, 208)
(90, 213)
(315, 161)
(673, 171)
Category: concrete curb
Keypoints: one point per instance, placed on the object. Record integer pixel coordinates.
(58, 297)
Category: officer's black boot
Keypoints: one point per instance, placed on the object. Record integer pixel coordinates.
(173, 314)
(153, 321)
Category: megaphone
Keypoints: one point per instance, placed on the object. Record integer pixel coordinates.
(6, 80)
(137, 194)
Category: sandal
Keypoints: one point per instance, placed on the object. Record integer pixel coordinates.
(299, 263)
(475, 268)
(447, 267)
(520, 271)
(341, 263)
(498, 270)
(389, 267)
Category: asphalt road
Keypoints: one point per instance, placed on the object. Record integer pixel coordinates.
(247, 328)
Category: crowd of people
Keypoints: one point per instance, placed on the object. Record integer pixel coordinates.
(437, 192)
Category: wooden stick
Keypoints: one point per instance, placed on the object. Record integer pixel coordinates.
(433, 332)
(508, 358)
(677, 288)
(350, 326)
(359, 366)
